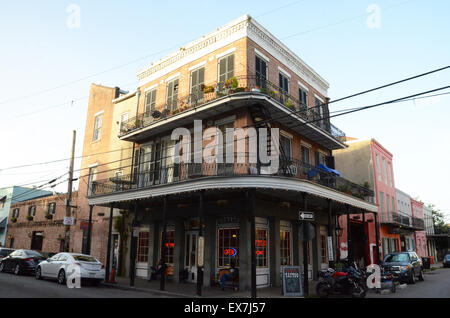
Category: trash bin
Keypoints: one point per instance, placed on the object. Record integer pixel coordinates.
(426, 262)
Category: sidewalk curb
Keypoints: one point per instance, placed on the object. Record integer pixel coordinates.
(151, 291)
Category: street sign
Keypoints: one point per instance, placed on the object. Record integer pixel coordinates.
(306, 216)
(135, 232)
(68, 220)
(292, 281)
(201, 252)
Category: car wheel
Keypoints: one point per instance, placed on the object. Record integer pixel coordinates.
(38, 273)
(61, 277)
(2, 267)
(17, 270)
(421, 278)
(412, 278)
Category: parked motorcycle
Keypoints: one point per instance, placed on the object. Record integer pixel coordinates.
(332, 282)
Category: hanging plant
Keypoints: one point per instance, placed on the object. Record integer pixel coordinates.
(29, 218)
(13, 219)
(48, 215)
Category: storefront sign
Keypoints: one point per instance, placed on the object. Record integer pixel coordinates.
(201, 251)
(292, 281)
(84, 225)
(306, 216)
(68, 220)
(330, 248)
(230, 252)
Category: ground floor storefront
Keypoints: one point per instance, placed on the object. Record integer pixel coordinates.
(168, 228)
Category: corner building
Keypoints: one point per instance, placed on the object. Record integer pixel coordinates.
(238, 76)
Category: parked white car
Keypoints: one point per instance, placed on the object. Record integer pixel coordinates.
(59, 265)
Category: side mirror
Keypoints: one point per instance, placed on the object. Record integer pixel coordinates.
(49, 260)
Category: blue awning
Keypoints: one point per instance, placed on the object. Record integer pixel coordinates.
(322, 167)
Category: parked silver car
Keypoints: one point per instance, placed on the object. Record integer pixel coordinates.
(58, 266)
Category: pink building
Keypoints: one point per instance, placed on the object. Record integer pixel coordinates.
(419, 236)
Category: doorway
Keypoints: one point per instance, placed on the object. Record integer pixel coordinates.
(36, 241)
(191, 255)
(359, 249)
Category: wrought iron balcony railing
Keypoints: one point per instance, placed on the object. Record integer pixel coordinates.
(317, 115)
(401, 219)
(185, 171)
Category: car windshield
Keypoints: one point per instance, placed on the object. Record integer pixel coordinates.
(4, 252)
(33, 253)
(397, 258)
(84, 258)
(447, 257)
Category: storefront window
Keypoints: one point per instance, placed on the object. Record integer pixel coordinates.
(170, 246)
(142, 255)
(228, 247)
(261, 247)
(285, 248)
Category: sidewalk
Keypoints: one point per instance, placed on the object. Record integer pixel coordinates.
(188, 290)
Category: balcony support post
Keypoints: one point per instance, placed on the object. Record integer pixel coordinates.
(330, 234)
(365, 237)
(305, 249)
(133, 246)
(200, 234)
(349, 236)
(377, 236)
(251, 201)
(108, 252)
(163, 245)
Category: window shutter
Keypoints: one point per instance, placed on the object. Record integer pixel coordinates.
(330, 162)
(136, 166)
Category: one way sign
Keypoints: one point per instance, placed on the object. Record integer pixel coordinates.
(306, 216)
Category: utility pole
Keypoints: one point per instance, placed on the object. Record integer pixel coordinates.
(69, 192)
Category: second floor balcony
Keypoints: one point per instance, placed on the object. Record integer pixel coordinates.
(176, 173)
(209, 100)
(399, 219)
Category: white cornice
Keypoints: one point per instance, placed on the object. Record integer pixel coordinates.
(259, 182)
(244, 26)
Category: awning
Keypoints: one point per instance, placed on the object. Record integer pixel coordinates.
(3, 222)
(322, 167)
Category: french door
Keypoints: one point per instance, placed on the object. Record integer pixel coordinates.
(191, 255)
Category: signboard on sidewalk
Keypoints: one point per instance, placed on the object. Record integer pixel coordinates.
(68, 220)
(292, 281)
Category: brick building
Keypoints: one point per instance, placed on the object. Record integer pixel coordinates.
(38, 224)
(237, 77)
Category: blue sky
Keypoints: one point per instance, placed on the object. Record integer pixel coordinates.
(44, 65)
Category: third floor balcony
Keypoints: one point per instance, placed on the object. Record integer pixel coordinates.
(237, 92)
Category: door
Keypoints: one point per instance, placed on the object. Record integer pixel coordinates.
(36, 241)
(262, 252)
(323, 248)
(144, 166)
(191, 255)
(46, 268)
(167, 162)
(142, 253)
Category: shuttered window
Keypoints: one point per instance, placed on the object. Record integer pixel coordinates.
(226, 68)
(150, 101)
(261, 72)
(172, 94)
(197, 80)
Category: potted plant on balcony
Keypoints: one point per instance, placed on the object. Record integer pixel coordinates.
(29, 218)
(289, 104)
(273, 93)
(48, 215)
(232, 83)
(13, 219)
(207, 89)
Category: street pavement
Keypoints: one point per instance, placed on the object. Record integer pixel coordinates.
(435, 285)
(12, 286)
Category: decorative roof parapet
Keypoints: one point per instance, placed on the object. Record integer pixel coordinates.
(235, 30)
